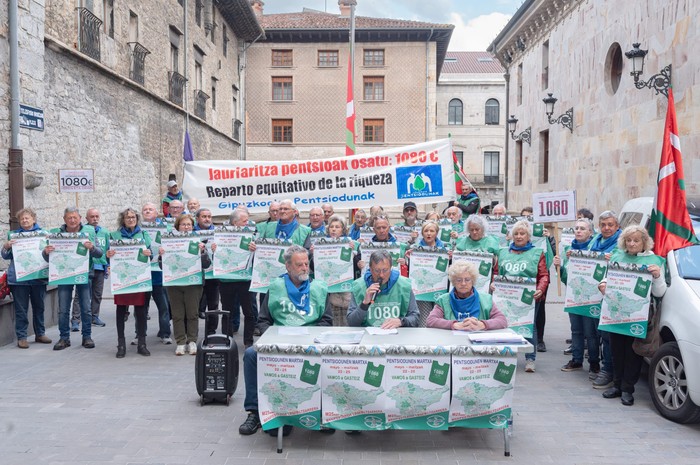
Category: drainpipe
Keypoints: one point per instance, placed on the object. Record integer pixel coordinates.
(507, 139)
(15, 156)
(187, 110)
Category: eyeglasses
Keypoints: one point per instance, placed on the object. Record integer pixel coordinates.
(461, 280)
(380, 270)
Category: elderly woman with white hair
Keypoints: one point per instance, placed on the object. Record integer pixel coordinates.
(477, 240)
(522, 259)
(633, 247)
(464, 308)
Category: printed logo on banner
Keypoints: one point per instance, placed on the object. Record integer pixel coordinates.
(527, 296)
(484, 268)
(642, 287)
(346, 254)
(310, 372)
(438, 373)
(595, 311)
(245, 242)
(193, 248)
(441, 264)
(504, 373)
(538, 230)
(445, 235)
(599, 272)
(419, 181)
(81, 249)
(374, 374)
(142, 257)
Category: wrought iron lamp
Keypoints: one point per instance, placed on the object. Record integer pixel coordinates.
(660, 82)
(524, 136)
(566, 119)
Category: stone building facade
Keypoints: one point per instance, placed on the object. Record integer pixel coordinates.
(575, 49)
(471, 110)
(298, 77)
(110, 77)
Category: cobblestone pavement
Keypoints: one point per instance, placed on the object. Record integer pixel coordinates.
(82, 406)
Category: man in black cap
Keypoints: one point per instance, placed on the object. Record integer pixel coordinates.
(410, 217)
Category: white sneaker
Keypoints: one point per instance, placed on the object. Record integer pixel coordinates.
(192, 348)
(529, 366)
(135, 342)
(166, 340)
(180, 350)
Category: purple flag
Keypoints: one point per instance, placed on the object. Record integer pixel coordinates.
(187, 153)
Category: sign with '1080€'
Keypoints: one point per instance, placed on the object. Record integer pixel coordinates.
(79, 180)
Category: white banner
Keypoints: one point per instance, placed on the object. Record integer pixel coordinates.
(422, 173)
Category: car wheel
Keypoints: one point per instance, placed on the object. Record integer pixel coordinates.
(668, 386)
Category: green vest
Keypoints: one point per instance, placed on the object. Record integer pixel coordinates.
(298, 236)
(485, 244)
(117, 236)
(391, 305)
(519, 264)
(283, 311)
(101, 240)
(485, 301)
(476, 200)
(623, 257)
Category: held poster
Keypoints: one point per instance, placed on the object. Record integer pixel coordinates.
(289, 390)
(155, 230)
(428, 272)
(625, 308)
(182, 263)
(268, 263)
(232, 259)
(69, 263)
(395, 249)
(333, 263)
(27, 253)
(483, 261)
(130, 269)
(584, 270)
(515, 298)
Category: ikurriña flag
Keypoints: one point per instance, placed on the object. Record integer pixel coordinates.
(460, 177)
(670, 224)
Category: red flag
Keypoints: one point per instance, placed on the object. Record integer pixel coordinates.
(670, 224)
(460, 177)
(350, 114)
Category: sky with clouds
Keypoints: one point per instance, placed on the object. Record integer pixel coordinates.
(477, 22)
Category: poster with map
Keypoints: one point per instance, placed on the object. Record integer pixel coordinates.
(27, 253)
(232, 259)
(182, 263)
(404, 233)
(428, 272)
(584, 271)
(395, 249)
(625, 308)
(515, 298)
(130, 269)
(565, 240)
(333, 263)
(69, 263)
(268, 263)
(482, 390)
(289, 390)
(207, 237)
(483, 261)
(155, 231)
(352, 394)
(417, 391)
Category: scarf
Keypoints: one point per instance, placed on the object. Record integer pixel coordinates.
(438, 243)
(605, 245)
(35, 227)
(471, 195)
(172, 197)
(576, 245)
(392, 280)
(129, 234)
(467, 307)
(299, 296)
(525, 248)
(285, 231)
(321, 228)
(354, 232)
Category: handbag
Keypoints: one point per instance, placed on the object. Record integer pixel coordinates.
(136, 299)
(648, 346)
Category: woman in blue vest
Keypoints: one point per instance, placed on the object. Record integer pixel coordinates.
(522, 259)
(129, 228)
(463, 308)
(634, 247)
(23, 292)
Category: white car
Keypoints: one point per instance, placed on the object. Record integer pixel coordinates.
(674, 371)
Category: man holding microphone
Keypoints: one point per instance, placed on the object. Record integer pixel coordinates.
(382, 297)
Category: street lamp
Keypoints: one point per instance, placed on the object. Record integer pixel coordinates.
(566, 119)
(524, 136)
(659, 82)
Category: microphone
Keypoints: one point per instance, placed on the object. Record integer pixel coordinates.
(373, 295)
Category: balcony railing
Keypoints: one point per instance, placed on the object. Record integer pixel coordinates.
(176, 87)
(237, 129)
(137, 72)
(200, 104)
(485, 179)
(89, 33)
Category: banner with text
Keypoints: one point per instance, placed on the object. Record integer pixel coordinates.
(422, 173)
(625, 308)
(584, 270)
(27, 253)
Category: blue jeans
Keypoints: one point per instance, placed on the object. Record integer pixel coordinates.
(608, 366)
(250, 373)
(160, 297)
(22, 295)
(65, 296)
(584, 327)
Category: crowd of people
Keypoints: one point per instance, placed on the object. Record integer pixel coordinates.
(381, 293)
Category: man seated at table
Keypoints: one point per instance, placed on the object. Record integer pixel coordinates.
(382, 297)
(291, 300)
(464, 308)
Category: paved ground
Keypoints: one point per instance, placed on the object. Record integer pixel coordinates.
(83, 406)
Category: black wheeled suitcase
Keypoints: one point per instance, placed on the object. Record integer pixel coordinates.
(216, 367)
